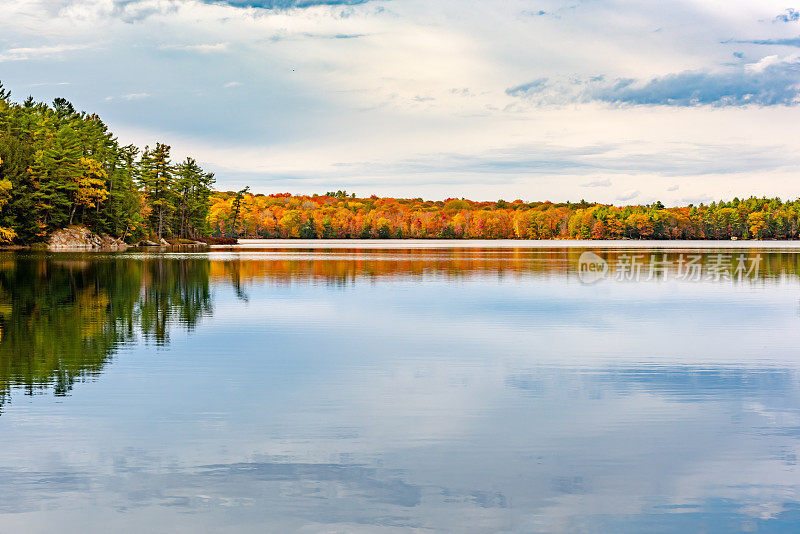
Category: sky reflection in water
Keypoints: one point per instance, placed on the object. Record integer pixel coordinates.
(367, 390)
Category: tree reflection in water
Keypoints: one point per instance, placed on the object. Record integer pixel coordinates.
(63, 317)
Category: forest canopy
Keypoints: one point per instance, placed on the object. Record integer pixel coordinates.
(60, 167)
(343, 216)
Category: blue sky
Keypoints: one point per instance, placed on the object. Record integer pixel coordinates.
(605, 100)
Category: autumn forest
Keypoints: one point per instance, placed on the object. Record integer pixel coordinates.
(339, 216)
(60, 167)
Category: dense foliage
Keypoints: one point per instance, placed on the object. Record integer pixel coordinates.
(60, 167)
(339, 215)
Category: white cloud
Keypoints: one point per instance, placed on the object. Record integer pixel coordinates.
(762, 64)
(46, 84)
(628, 195)
(605, 182)
(201, 48)
(232, 84)
(39, 52)
(135, 96)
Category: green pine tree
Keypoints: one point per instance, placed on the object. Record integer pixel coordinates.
(157, 180)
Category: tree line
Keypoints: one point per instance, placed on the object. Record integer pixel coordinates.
(342, 216)
(60, 167)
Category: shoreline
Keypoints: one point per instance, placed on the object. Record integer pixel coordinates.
(245, 244)
(257, 244)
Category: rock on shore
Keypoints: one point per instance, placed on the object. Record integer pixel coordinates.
(80, 238)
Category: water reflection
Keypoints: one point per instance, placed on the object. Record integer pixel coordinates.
(342, 265)
(379, 390)
(62, 317)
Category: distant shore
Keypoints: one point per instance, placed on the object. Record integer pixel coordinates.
(245, 244)
(508, 243)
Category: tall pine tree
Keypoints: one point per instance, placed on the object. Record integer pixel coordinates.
(157, 180)
(193, 189)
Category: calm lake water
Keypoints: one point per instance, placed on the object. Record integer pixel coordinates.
(374, 387)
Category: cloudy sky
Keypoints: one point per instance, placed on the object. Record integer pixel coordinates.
(608, 100)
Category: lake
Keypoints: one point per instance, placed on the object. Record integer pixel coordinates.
(372, 386)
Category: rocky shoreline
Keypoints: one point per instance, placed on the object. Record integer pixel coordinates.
(80, 238)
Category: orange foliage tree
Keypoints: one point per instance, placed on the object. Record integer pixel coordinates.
(339, 216)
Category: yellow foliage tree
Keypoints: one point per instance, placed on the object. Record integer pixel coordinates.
(7, 235)
(290, 223)
(757, 222)
(91, 186)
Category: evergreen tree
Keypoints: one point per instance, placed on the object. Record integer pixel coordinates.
(237, 208)
(61, 167)
(55, 174)
(193, 188)
(125, 203)
(157, 181)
